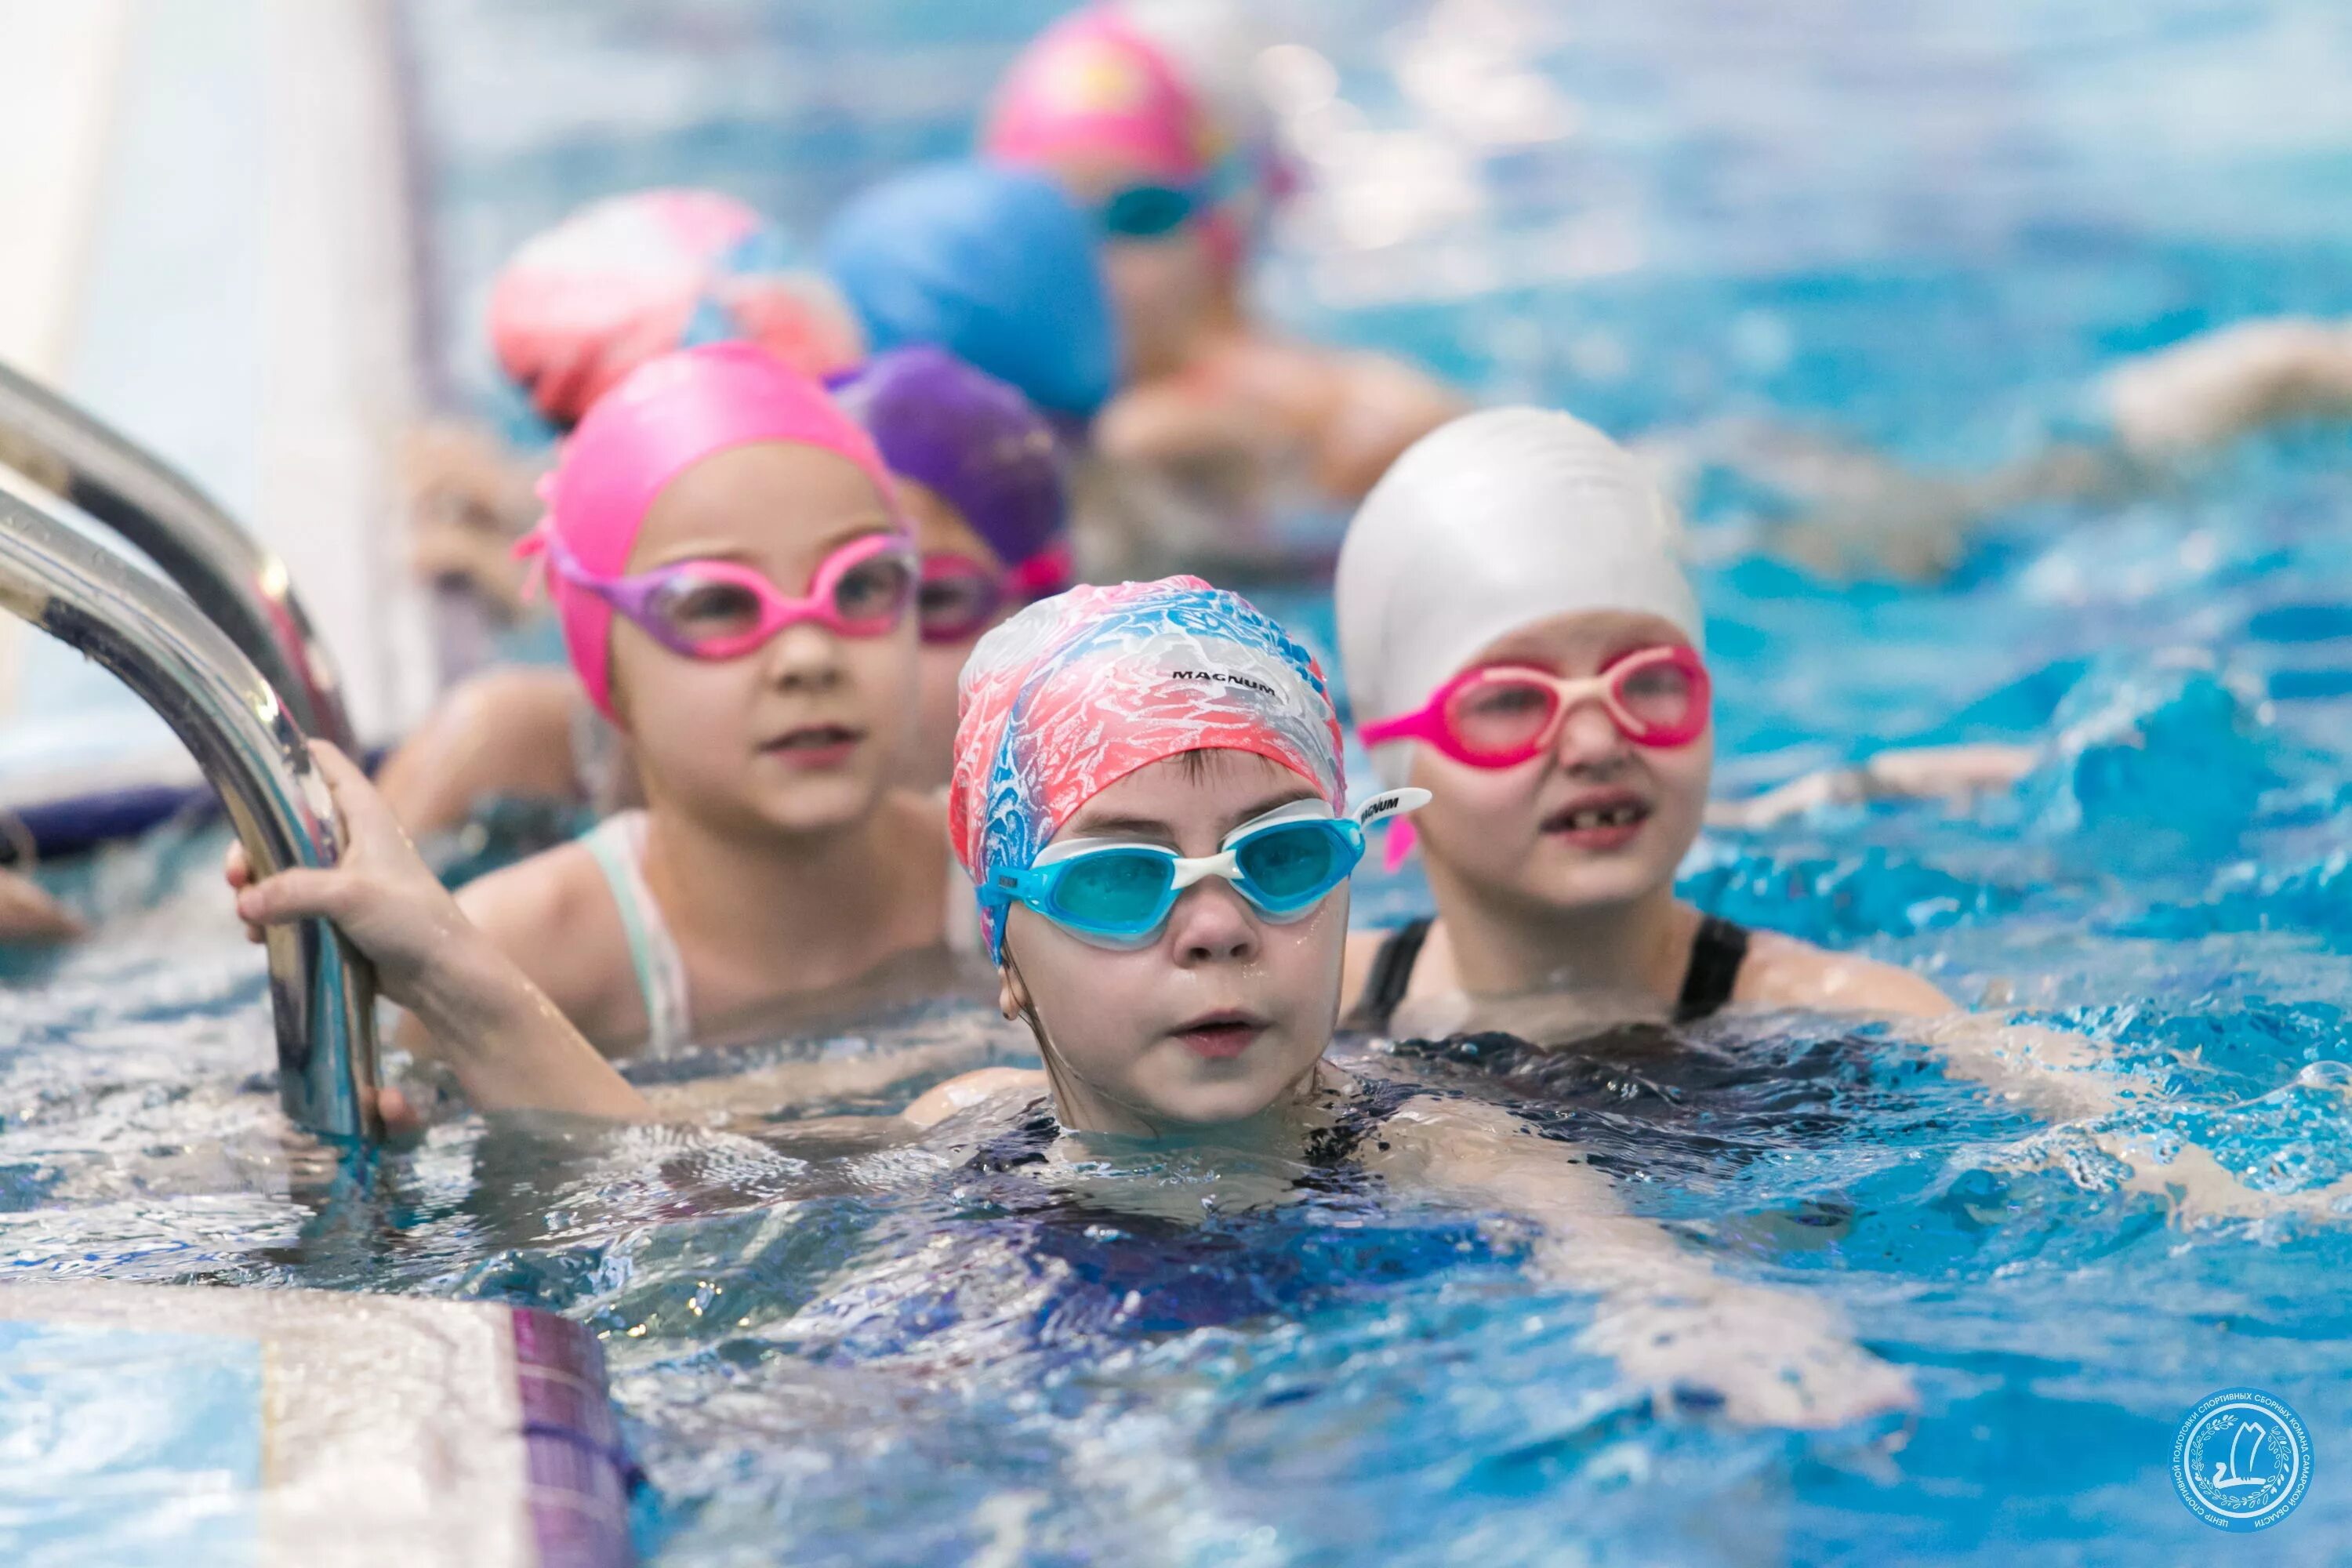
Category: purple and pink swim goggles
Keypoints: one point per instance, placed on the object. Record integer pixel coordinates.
(716, 609)
(663, 419)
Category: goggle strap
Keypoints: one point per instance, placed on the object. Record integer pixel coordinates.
(1047, 572)
(1398, 848)
(1392, 803)
(1391, 807)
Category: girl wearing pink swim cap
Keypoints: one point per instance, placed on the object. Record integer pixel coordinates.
(736, 582)
(1150, 802)
(979, 477)
(1147, 113)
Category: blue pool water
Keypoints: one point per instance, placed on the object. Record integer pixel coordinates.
(1910, 230)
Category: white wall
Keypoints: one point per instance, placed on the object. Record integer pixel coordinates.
(219, 268)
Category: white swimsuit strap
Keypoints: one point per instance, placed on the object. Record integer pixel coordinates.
(617, 844)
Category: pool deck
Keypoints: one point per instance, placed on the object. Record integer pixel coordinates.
(324, 1428)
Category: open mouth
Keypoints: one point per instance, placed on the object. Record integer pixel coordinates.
(1599, 822)
(1221, 1035)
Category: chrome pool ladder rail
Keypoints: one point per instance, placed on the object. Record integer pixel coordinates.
(232, 579)
(162, 645)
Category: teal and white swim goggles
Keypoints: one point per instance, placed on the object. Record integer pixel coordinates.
(1117, 894)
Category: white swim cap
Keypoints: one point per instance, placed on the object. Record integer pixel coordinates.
(1488, 523)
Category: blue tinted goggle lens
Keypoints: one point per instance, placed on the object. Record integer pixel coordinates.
(1147, 212)
(1286, 868)
(1117, 889)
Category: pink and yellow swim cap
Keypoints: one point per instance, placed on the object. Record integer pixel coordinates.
(625, 279)
(1093, 85)
(663, 419)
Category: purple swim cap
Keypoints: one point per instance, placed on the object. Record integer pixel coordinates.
(978, 443)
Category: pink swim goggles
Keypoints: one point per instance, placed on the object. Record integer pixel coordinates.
(960, 598)
(1503, 715)
(723, 609)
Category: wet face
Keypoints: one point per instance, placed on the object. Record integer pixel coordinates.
(802, 733)
(1595, 820)
(940, 530)
(1165, 289)
(1226, 1011)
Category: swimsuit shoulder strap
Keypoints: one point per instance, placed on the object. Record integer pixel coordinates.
(1391, 977)
(617, 844)
(1026, 1142)
(1716, 953)
(1376, 1099)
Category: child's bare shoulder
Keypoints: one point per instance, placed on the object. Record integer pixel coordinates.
(553, 915)
(1784, 972)
(936, 1104)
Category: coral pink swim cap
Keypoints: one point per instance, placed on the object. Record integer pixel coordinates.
(625, 279)
(666, 416)
(1079, 690)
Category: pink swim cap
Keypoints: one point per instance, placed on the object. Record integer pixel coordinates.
(1079, 690)
(1092, 84)
(666, 416)
(625, 279)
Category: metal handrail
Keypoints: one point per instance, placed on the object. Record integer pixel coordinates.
(241, 585)
(322, 991)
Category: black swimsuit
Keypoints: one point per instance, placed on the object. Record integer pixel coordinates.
(1329, 1153)
(1716, 953)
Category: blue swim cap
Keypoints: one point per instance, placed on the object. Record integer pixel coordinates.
(995, 266)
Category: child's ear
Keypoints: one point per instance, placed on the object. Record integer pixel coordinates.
(1012, 991)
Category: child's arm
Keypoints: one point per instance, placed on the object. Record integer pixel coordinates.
(1254, 403)
(28, 914)
(1378, 407)
(2056, 1075)
(1955, 776)
(1669, 1320)
(1194, 420)
(510, 1046)
(505, 732)
(2221, 384)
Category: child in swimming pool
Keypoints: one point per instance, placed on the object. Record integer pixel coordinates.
(979, 477)
(1146, 112)
(619, 282)
(1520, 639)
(2146, 421)
(1149, 796)
(995, 267)
(736, 582)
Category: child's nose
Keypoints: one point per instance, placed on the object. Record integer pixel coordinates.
(802, 655)
(1212, 925)
(1588, 735)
